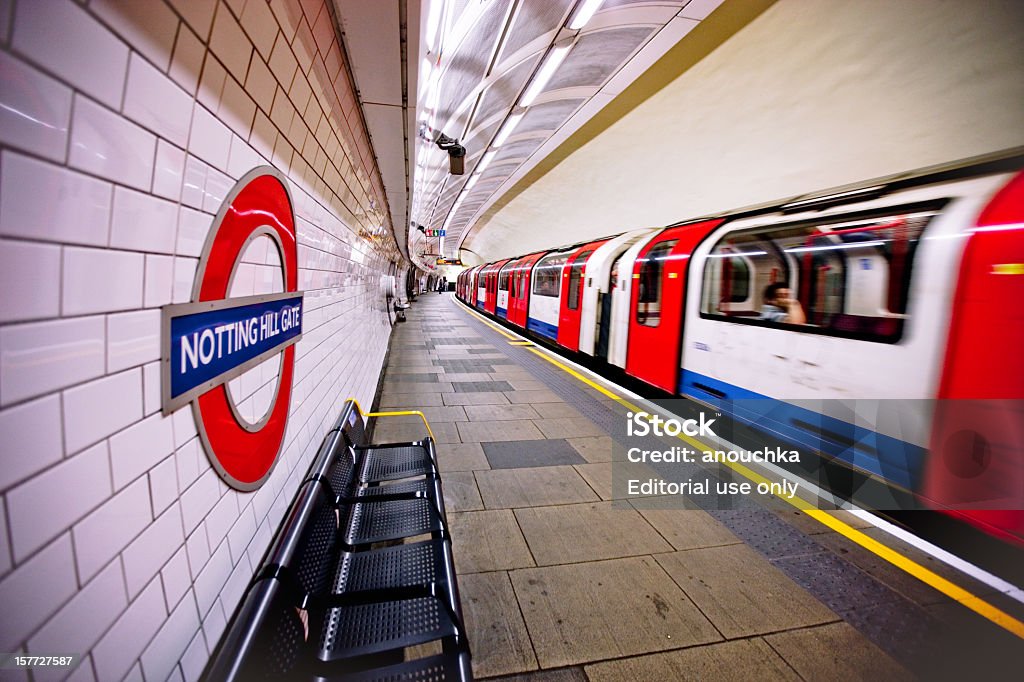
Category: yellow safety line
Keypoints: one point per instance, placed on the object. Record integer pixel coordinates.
(925, 575)
(520, 343)
(399, 413)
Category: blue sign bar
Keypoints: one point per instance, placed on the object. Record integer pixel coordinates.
(210, 343)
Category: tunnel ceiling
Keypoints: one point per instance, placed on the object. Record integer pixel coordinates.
(477, 62)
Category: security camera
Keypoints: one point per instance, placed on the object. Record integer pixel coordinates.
(456, 154)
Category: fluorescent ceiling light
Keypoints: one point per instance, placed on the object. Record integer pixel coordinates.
(584, 13)
(433, 23)
(507, 129)
(472, 181)
(540, 80)
(484, 161)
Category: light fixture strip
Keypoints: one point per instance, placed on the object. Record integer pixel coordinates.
(584, 13)
(480, 167)
(510, 124)
(552, 61)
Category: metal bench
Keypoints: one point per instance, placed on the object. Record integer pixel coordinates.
(329, 604)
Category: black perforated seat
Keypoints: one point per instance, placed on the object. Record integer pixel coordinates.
(376, 627)
(396, 461)
(439, 668)
(419, 563)
(375, 521)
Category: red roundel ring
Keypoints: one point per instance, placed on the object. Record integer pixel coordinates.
(258, 204)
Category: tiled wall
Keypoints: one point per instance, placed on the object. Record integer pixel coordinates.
(123, 124)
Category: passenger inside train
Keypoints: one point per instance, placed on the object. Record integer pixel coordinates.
(779, 306)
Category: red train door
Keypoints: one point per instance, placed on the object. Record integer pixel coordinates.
(656, 304)
(570, 308)
(522, 300)
(492, 286)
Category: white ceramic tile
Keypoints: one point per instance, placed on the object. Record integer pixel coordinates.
(96, 410)
(39, 357)
(140, 447)
(63, 38)
(5, 548)
(76, 209)
(242, 158)
(199, 499)
(175, 578)
(151, 388)
(159, 280)
(98, 604)
(148, 26)
(154, 101)
(198, 551)
(35, 590)
(132, 339)
(194, 182)
(217, 187)
(211, 579)
(234, 588)
(221, 518)
(32, 438)
(5, 21)
(101, 535)
(143, 222)
(35, 110)
(215, 622)
(110, 146)
(125, 641)
(83, 673)
(241, 534)
(147, 554)
(48, 504)
(163, 485)
(169, 171)
(30, 280)
(184, 431)
(193, 228)
(209, 139)
(97, 281)
(194, 659)
(161, 656)
(184, 278)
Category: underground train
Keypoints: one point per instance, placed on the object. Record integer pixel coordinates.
(881, 325)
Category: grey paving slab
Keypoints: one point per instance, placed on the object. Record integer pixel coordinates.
(556, 411)
(460, 492)
(398, 371)
(466, 376)
(574, 674)
(537, 486)
(569, 427)
(512, 429)
(396, 387)
(480, 386)
(580, 613)
(501, 644)
(738, 661)
(488, 541)
(423, 377)
(684, 528)
(461, 457)
(527, 384)
(742, 592)
(530, 397)
(611, 479)
(433, 413)
(836, 652)
(391, 432)
(488, 413)
(395, 401)
(474, 399)
(594, 448)
(507, 372)
(587, 532)
(530, 453)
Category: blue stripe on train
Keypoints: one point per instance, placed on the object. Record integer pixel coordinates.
(542, 328)
(502, 312)
(891, 458)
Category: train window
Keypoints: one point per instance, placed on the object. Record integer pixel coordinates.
(547, 275)
(575, 275)
(846, 276)
(503, 280)
(648, 309)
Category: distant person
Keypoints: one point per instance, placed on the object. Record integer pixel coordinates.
(442, 285)
(778, 306)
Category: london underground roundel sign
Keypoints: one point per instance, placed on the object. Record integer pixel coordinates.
(214, 339)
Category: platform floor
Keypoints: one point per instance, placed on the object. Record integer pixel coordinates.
(558, 582)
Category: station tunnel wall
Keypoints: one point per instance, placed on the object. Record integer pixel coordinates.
(124, 126)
